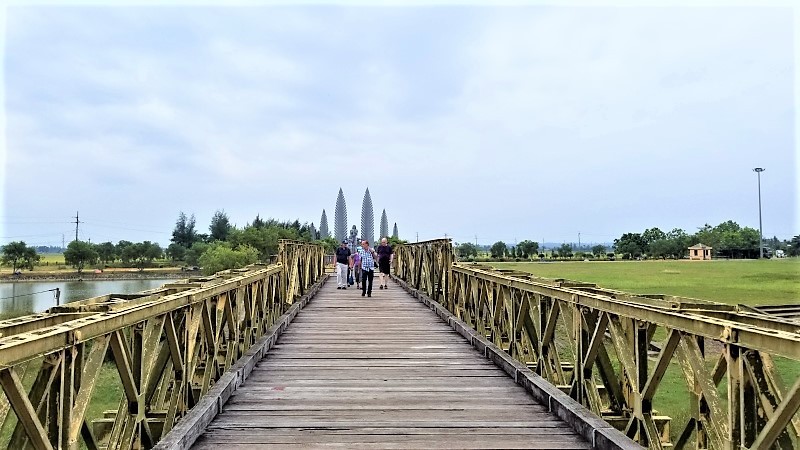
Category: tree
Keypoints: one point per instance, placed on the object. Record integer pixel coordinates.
(106, 252)
(630, 245)
(121, 253)
(565, 251)
(184, 232)
(467, 250)
(653, 234)
(176, 252)
(152, 251)
(80, 253)
(143, 253)
(705, 235)
(329, 243)
(396, 241)
(193, 254)
(220, 226)
(131, 254)
(19, 255)
(751, 242)
(678, 243)
(660, 249)
(528, 248)
(220, 256)
(599, 250)
(258, 222)
(499, 249)
(793, 249)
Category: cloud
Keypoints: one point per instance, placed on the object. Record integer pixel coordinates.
(488, 120)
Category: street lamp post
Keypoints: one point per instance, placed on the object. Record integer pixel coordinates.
(758, 170)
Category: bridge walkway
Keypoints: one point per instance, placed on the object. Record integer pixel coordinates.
(380, 372)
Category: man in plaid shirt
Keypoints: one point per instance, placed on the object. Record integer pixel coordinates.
(367, 268)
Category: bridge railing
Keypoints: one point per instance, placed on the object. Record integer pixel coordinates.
(426, 266)
(151, 355)
(610, 350)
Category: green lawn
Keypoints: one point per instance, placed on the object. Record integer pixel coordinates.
(750, 282)
(51, 258)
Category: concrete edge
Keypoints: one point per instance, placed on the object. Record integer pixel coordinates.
(591, 427)
(191, 426)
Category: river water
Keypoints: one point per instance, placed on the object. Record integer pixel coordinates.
(19, 299)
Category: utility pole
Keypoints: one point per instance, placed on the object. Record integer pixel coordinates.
(579, 240)
(63, 245)
(758, 170)
(417, 236)
(77, 221)
(476, 240)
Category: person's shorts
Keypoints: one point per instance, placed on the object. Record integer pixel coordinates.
(383, 265)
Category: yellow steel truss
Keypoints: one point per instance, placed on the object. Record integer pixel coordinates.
(168, 346)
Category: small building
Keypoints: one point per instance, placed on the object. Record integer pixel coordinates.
(700, 252)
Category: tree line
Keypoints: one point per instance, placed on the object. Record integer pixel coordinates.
(728, 240)
(225, 246)
(526, 250)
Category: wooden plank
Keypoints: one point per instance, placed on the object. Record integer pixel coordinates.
(409, 431)
(405, 444)
(244, 421)
(376, 404)
(380, 382)
(384, 372)
(359, 417)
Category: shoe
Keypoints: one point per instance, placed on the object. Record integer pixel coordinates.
(338, 287)
(344, 287)
(369, 295)
(380, 287)
(362, 294)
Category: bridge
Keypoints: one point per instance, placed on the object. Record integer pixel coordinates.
(452, 355)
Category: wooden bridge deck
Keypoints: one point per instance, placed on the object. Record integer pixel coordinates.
(380, 372)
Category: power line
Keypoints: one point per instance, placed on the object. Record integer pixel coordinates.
(98, 224)
(29, 235)
(57, 290)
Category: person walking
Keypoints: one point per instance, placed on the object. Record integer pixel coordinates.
(367, 268)
(342, 263)
(385, 257)
(357, 268)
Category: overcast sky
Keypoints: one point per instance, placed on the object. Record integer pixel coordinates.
(509, 123)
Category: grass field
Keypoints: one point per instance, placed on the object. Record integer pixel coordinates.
(751, 282)
(51, 258)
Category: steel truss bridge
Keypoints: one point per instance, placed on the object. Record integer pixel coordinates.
(213, 361)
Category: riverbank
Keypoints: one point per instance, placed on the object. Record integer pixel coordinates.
(108, 274)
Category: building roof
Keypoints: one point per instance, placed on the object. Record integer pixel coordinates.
(700, 247)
